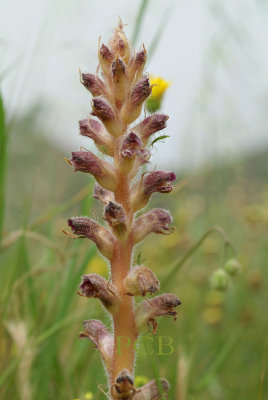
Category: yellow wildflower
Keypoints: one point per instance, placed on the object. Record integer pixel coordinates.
(97, 265)
(141, 380)
(88, 396)
(160, 85)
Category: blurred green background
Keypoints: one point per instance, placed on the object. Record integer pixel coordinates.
(220, 339)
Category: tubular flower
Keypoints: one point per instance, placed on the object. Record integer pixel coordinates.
(120, 89)
(162, 305)
(157, 181)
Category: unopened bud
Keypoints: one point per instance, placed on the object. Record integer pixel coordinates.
(120, 44)
(141, 280)
(94, 285)
(96, 131)
(157, 181)
(92, 83)
(156, 220)
(150, 125)
(115, 216)
(119, 81)
(132, 108)
(95, 331)
(219, 280)
(103, 108)
(131, 146)
(104, 173)
(123, 386)
(232, 266)
(87, 228)
(137, 65)
(151, 391)
(106, 58)
(158, 306)
(102, 194)
(105, 111)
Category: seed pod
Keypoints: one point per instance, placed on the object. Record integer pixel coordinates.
(94, 285)
(150, 125)
(232, 266)
(141, 280)
(106, 58)
(102, 194)
(132, 108)
(150, 391)
(156, 220)
(96, 131)
(123, 386)
(115, 216)
(87, 228)
(95, 331)
(157, 181)
(104, 173)
(162, 305)
(219, 280)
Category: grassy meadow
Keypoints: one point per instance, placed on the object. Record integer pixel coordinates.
(219, 339)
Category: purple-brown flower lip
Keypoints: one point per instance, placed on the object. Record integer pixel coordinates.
(131, 145)
(158, 181)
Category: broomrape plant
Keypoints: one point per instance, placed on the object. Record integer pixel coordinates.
(119, 89)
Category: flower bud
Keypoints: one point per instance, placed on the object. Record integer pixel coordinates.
(147, 311)
(96, 131)
(150, 391)
(219, 280)
(156, 220)
(137, 65)
(123, 386)
(232, 266)
(106, 58)
(95, 331)
(104, 173)
(150, 125)
(102, 194)
(119, 81)
(132, 108)
(157, 181)
(105, 111)
(115, 216)
(92, 83)
(141, 280)
(143, 157)
(87, 228)
(94, 285)
(120, 44)
(130, 147)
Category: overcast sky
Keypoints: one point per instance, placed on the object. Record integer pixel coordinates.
(214, 54)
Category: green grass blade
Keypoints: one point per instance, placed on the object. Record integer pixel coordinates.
(3, 159)
(217, 362)
(159, 32)
(139, 19)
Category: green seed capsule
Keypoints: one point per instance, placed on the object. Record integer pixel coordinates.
(232, 266)
(219, 280)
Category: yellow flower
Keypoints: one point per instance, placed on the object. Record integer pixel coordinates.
(160, 87)
(88, 396)
(97, 265)
(141, 380)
